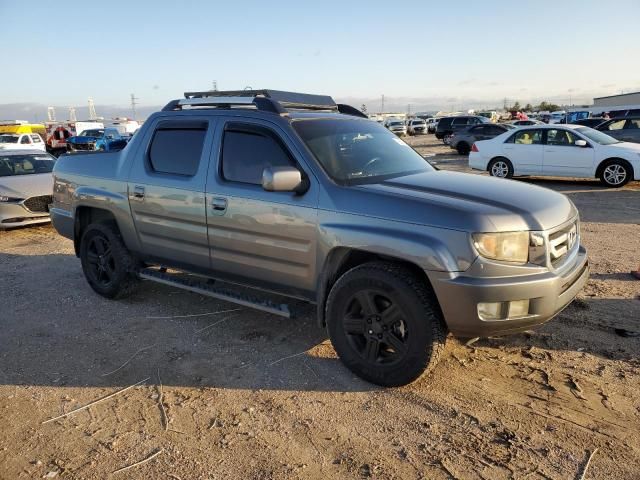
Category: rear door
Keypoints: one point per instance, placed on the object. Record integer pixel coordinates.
(525, 150)
(562, 157)
(631, 131)
(256, 237)
(167, 191)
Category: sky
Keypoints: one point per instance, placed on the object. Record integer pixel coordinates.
(449, 55)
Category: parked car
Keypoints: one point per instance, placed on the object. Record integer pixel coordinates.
(417, 126)
(558, 151)
(21, 141)
(463, 139)
(103, 139)
(397, 126)
(447, 126)
(626, 129)
(334, 210)
(432, 124)
(589, 122)
(525, 123)
(26, 184)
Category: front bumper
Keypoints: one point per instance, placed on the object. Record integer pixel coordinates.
(15, 215)
(548, 293)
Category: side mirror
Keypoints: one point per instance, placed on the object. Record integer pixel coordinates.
(283, 179)
(581, 143)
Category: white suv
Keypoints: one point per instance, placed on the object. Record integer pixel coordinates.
(22, 141)
(416, 126)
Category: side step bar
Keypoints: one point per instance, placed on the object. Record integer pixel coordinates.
(200, 285)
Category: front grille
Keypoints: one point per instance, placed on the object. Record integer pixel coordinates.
(84, 146)
(562, 242)
(38, 204)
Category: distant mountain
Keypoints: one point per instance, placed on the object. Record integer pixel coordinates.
(37, 112)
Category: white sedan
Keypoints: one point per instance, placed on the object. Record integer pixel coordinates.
(558, 151)
(22, 141)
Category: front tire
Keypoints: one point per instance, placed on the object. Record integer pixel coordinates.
(107, 264)
(463, 148)
(616, 173)
(501, 168)
(385, 323)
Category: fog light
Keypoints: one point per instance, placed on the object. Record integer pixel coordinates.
(491, 310)
(518, 308)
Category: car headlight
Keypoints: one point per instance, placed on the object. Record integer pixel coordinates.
(5, 199)
(504, 246)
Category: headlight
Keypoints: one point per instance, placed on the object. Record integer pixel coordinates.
(505, 246)
(5, 199)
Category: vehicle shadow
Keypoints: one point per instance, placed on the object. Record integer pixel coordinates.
(58, 332)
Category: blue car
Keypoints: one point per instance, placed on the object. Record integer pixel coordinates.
(99, 139)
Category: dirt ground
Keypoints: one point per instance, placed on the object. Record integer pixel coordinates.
(227, 393)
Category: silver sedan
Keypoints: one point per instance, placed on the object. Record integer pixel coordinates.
(26, 186)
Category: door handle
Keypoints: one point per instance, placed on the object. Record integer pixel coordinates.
(138, 193)
(219, 204)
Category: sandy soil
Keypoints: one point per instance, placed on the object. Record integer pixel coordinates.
(241, 394)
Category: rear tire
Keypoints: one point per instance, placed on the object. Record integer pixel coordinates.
(107, 264)
(463, 148)
(616, 173)
(501, 168)
(385, 323)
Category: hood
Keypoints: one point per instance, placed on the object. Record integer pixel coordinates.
(25, 186)
(471, 202)
(81, 139)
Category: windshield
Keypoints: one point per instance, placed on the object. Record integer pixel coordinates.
(394, 124)
(418, 122)
(92, 133)
(597, 136)
(356, 152)
(9, 138)
(11, 165)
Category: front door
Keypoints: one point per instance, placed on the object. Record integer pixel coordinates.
(562, 157)
(167, 191)
(260, 238)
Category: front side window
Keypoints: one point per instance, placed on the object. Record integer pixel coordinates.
(26, 164)
(352, 151)
(526, 137)
(176, 148)
(247, 150)
(616, 125)
(561, 138)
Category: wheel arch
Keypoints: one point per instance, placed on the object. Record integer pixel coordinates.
(607, 161)
(84, 217)
(342, 259)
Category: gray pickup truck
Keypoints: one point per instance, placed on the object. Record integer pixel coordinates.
(296, 195)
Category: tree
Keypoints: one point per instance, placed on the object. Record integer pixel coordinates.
(363, 108)
(528, 108)
(547, 107)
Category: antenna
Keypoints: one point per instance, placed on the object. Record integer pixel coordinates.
(51, 114)
(92, 110)
(133, 105)
(72, 114)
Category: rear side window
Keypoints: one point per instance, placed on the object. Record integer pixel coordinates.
(25, 140)
(36, 138)
(176, 148)
(247, 150)
(460, 121)
(616, 125)
(633, 123)
(445, 122)
(526, 137)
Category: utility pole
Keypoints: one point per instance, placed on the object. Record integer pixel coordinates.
(133, 105)
(382, 107)
(214, 85)
(408, 109)
(51, 114)
(92, 110)
(72, 114)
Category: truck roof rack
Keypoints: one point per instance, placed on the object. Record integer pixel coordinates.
(274, 101)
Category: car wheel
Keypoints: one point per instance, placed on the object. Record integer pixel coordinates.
(500, 167)
(107, 264)
(447, 139)
(615, 173)
(385, 323)
(463, 148)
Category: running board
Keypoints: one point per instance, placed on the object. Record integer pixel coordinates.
(200, 285)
